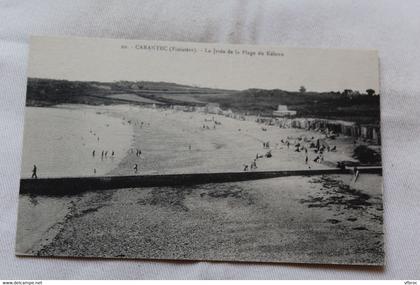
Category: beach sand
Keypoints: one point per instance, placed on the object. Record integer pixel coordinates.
(176, 142)
(291, 219)
(317, 219)
(60, 141)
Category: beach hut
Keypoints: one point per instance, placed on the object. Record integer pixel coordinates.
(283, 111)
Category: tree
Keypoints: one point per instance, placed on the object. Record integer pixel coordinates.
(302, 89)
(370, 92)
(347, 92)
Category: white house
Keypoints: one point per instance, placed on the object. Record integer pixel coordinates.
(282, 111)
(213, 108)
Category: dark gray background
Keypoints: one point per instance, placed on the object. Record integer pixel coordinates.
(392, 27)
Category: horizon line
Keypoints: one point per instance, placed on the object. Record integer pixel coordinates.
(217, 88)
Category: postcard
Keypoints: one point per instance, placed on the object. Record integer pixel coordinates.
(201, 151)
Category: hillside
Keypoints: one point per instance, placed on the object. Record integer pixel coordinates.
(334, 105)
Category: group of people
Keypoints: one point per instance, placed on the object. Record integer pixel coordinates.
(212, 120)
(138, 151)
(266, 145)
(319, 147)
(206, 127)
(253, 164)
(138, 154)
(104, 154)
(300, 144)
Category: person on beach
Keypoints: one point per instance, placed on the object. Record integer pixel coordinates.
(93, 153)
(306, 159)
(355, 170)
(245, 167)
(254, 164)
(112, 154)
(94, 171)
(356, 173)
(102, 155)
(34, 169)
(136, 168)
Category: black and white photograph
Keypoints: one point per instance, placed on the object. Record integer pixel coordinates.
(200, 151)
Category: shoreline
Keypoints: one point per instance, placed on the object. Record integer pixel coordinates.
(67, 140)
(330, 215)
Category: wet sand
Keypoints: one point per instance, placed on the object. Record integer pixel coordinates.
(61, 140)
(291, 219)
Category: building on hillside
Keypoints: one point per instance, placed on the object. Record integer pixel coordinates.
(282, 111)
(213, 108)
(183, 108)
(200, 109)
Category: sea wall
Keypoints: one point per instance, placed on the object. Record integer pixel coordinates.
(74, 185)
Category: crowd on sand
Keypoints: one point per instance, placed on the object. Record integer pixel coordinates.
(303, 144)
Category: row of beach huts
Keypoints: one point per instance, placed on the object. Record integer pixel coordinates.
(332, 128)
(284, 118)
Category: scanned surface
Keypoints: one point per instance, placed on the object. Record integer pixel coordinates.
(187, 151)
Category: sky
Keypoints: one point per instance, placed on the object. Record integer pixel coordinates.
(235, 67)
